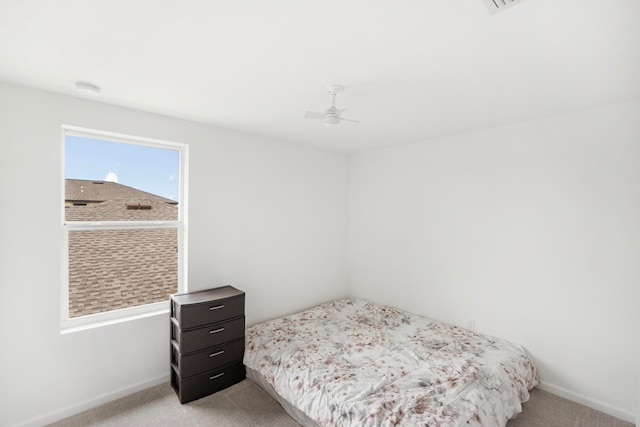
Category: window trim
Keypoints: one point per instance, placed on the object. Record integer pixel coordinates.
(90, 321)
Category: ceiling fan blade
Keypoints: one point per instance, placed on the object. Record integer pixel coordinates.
(349, 120)
(313, 115)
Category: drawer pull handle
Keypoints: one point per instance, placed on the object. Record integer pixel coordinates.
(217, 307)
(215, 331)
(216, 376)
(217, 353)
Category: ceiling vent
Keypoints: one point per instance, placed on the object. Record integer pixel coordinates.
(496, 6)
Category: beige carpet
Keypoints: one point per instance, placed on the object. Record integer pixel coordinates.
(548, 410)
(246, 404)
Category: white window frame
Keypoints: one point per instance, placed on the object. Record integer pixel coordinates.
(74, 324)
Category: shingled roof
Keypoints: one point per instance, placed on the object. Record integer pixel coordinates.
(112, 269)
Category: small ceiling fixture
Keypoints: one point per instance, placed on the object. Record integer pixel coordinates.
(331, 115)
(88, 89)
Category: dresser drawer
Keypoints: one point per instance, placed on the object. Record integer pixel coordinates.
(204, 307)
(205, 360)
(201, 385)
(208, 336)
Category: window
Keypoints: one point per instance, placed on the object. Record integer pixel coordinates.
(123, 226)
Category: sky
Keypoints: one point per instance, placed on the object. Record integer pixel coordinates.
(151, 169)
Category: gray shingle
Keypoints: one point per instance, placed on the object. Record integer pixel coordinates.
(112, 269)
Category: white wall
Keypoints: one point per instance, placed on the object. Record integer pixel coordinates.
(530, 230)
(266, 216)
(536, 223)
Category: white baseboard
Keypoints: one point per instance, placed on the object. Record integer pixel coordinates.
(92, 403)
(591, 403)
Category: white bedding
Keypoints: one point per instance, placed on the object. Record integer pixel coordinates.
(354, 363)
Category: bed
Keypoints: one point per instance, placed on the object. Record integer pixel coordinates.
(351, 362)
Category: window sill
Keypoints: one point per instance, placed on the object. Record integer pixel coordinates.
(114, 317)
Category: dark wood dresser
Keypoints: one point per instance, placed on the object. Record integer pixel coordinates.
(207, 341)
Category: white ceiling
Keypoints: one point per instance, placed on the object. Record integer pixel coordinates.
(412, 69)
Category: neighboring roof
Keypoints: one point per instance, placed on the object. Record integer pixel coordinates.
(113, 269)
(110, 201)
(120, 210)
(85, 190)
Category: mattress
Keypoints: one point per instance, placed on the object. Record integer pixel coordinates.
(351, 362)
(294, 412)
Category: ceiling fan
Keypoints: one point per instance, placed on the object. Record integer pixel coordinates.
(331, 115)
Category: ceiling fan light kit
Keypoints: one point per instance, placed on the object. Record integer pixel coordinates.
(329, 121)
(332, 115)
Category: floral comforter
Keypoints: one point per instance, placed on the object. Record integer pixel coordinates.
(354, 363)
